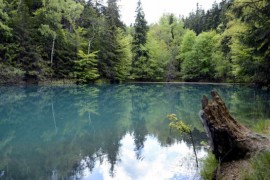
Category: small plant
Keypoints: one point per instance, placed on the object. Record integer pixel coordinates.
(178, 124)
(210, 165)
(182, 128)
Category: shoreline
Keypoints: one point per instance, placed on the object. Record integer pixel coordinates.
(199, 83)
(107, 81)
(73, 82)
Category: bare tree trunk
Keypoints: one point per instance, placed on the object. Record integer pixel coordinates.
(229, 139)
(52, 52)
(90, 40)
(89, 47)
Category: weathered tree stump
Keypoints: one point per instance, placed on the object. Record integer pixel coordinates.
(229, 140)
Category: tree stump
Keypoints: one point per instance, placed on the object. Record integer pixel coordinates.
(229, 140)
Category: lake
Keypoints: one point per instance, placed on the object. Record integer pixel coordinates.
(111, 131)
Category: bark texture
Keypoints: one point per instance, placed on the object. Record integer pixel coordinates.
(229, 139)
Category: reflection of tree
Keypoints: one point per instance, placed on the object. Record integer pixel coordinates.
(113, 155)
(249, 105)
(37, 148)
(91, 120)
(113, 105)
(141, 98)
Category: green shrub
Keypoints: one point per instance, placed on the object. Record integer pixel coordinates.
(9, 73)
(210, 165)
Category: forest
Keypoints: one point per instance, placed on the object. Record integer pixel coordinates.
(86, 41)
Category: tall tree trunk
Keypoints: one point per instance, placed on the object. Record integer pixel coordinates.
(89, 47)
(52, 52)
(229, 139)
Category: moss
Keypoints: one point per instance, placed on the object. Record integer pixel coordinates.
(209, 166)
(260, 165)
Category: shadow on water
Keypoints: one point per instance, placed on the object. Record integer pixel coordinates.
(109, 131)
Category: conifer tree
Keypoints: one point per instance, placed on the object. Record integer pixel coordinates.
(112, 54)
(140, 54)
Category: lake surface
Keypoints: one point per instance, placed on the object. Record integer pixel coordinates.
(110, 131)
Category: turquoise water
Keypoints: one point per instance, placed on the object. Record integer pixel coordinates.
(110, 131)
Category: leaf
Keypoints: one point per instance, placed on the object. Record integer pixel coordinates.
(178, 124)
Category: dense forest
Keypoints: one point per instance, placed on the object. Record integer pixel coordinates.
(86, 41)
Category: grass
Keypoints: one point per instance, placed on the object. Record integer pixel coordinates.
(209, 166)
(260, 167)
(262, 127)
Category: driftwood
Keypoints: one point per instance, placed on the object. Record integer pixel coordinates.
(229, 140)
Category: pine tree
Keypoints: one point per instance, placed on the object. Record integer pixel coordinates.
(140, 54)
(196, 20)
(29, 55)
(111, 53)
(5, 30)
(254, 42)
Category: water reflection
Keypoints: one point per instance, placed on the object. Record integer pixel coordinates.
(109, 130)
(176, 161)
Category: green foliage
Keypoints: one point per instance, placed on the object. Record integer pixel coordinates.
(158, 59)
(10, 74)
(140, 53)
(123, 66)
(159, 56)
(178, 124)
(53, 36)
(242, 51)
(222, 59)
(242, 57)
(197, 58)
(214, 18)
(251, 48)
(161, 50)
(195, 20)
(5, 30)
(209, 166)
(229, 42)
(86, 68)
(112, 54)
(187, 43)
(140, 68)
(140, 27)
(182, 128)
(260, 165)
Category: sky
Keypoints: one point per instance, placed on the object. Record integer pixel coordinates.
(154, 9)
